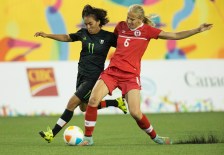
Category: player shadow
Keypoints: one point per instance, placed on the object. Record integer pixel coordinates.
(210, 139)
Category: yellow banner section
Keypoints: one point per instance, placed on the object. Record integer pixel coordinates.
(21, 19)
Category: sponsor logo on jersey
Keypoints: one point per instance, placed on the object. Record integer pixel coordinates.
(101, 41)
(42, 82)
(137, 33)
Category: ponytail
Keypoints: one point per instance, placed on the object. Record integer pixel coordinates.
(147, 20)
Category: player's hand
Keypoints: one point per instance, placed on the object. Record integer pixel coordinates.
(204, 27)
(42, 34)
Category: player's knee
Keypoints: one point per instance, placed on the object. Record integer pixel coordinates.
(72, 105)
(135, 114)
(93, 101)
(82, 108)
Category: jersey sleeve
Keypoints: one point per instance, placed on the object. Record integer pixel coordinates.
(154, 32)
(76, 36)
(117, 28)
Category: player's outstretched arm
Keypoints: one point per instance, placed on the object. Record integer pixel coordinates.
(184, 34)
(58, 37)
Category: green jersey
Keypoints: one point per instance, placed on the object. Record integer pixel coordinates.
(95, 48)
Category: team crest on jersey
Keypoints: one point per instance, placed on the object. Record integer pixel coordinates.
(101, 41)
(137, 33)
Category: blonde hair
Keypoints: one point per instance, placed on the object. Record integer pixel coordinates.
(137, 9)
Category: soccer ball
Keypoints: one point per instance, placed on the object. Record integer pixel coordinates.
(73, 135)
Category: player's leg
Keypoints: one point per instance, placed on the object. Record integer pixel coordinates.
(118, 102)
(87, 86)
(62, 121)
(133, 100)
(67, 115)
(100, 90)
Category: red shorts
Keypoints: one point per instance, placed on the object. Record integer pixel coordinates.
(125, 81)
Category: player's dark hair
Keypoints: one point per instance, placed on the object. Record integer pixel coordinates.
(97, 13)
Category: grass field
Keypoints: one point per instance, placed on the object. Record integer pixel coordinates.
(115, 135)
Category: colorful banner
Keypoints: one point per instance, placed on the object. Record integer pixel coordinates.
(42, 82)
(21, 19)
(33, 88)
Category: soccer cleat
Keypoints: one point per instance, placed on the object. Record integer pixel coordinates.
(121, 104)
(48, 135)
(162, 140)
(87, 141)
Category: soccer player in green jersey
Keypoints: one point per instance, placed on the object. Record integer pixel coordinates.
(96, 43)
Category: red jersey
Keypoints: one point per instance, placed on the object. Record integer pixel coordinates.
(131, 45)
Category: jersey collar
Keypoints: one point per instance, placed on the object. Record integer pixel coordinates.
(137, 27)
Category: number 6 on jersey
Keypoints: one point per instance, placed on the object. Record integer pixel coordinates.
(126, 42)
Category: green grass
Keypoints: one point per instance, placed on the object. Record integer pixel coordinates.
(115, 135)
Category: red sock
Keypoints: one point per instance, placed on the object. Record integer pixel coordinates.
(103, 104)
(90, 120)
(145, 125)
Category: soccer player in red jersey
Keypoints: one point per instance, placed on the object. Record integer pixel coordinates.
(123, 71)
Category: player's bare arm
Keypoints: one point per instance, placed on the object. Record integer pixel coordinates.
(58, 37)
(184, 34)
